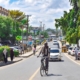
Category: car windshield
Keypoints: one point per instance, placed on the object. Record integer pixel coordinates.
(70, 48)
(54, 51)
(54, 41)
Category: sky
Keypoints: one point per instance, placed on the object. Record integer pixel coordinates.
(45, 11)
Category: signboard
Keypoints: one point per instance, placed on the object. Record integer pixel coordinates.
(29, 38)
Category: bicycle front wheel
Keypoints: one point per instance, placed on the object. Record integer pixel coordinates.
(46, 72)
(42, 71)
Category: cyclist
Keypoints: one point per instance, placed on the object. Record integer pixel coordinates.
(45, 53)
(34, 49)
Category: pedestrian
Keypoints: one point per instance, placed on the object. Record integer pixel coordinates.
(34, 49)
(11, 54)
(5, 55)
(35, 46)
(76, 53)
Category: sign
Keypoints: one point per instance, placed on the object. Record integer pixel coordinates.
(29, 38)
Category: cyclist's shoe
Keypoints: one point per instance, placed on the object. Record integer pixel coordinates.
(37, 56)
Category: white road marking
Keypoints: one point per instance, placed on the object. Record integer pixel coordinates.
(71, 59)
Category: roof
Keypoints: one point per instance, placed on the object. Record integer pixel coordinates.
(54, 48)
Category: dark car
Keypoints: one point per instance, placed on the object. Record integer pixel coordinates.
(6, 42)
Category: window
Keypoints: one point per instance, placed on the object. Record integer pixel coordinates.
(54, 51)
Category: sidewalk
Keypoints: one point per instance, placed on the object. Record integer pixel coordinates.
(17, 59)
(72, 58)
(27, 54)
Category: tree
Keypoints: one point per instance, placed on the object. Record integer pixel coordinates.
(67, 24)
(44, 33)
(17, 15)
(5, 27)
(76, 7)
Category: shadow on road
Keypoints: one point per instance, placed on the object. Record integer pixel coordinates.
(54, 75)
(56, 61)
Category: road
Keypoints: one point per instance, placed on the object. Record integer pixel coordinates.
(28, 69)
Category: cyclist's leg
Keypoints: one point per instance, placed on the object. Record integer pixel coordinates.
(47, 63)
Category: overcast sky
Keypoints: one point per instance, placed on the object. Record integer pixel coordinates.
(41, 10)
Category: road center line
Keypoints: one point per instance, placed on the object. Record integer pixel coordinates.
(31, 78)
(71, 59)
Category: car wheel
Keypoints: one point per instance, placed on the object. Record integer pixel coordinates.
(69, 53)
(59, 59)
(78, 58)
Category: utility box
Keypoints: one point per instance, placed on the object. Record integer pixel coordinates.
(64, 49)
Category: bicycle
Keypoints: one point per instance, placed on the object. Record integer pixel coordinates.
(43, 69)
(34, 51)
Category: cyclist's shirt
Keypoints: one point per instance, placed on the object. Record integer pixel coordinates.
(45, 51)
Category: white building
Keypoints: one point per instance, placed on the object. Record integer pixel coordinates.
(52, 36)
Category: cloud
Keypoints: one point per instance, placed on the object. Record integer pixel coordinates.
(41, 10)
(4, 2)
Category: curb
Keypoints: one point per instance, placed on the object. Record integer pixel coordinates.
(28, 55)
(9, 63)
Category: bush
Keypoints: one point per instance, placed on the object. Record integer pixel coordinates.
(37, 41)
(16, 53)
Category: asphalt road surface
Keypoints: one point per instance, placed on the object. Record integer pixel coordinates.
(28, 69)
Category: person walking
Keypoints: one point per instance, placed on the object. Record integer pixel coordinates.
(76, 53)
(5, 55)
(11, 54)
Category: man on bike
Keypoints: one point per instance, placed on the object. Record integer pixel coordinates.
(45, 53)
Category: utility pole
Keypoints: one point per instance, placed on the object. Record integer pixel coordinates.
(43, 27)
(40, 28)
(27, 26)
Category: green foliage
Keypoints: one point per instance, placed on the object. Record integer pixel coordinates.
(69, 23)
(7, 28)
(44, 33)
(24, 21)
(18, 38)
(16, 53)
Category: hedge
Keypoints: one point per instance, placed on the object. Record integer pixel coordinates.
(16, 53)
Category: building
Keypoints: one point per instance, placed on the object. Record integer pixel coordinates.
(3, 11)
(52, 37)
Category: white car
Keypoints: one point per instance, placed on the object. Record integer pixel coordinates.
(55, 41)
(71, 51)
(55, 54)
(56, 44)
(15, 49)
(0, 44)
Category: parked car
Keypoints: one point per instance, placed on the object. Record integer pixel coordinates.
(6, 42)
(16, 49)
(71, 51)
(78, 55)
(20, 49)
(0, 44)
(55, 54)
